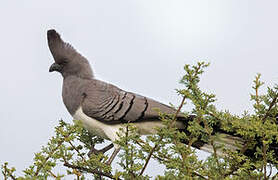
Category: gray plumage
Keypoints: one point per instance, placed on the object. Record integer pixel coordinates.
(99, 100)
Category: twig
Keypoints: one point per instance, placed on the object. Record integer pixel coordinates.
(269, 108)
(199, 175)
(157, 157)
(77, 151)
(150, 155)
(6, 173)
(51, 153)
(12, 176)
(257, 82)
(179, 109)
(127, 152)
(89, 170)
(52, 174)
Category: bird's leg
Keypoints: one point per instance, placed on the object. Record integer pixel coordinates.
(112, 157)
(103, 150)
(107, 148)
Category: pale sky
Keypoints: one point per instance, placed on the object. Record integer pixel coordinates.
(138, 45)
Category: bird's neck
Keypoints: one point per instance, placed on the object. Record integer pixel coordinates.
(73, 87)
(81, 75)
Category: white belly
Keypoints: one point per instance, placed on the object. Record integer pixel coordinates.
(96, 127)
(109, 131)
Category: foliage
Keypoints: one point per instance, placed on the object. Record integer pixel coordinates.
(254, 134)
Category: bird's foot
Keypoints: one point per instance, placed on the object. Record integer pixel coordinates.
(103, 150)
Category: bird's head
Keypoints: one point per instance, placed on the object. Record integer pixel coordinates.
(67, 60)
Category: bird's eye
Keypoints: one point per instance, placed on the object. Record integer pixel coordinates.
(63, 63)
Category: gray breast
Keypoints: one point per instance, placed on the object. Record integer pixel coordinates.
(72, 93)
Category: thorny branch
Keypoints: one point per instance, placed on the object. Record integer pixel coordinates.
(273, 102)
(6, 173)
(50, 155)
(90, 170)
(78, 152)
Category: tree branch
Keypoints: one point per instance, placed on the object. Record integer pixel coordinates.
(7, 173)
(269, 108)
(50, 155)
(90, 170)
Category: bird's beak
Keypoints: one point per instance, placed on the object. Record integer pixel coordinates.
(55, 67)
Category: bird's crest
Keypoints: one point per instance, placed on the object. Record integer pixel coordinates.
(61, 50)
(64, 52)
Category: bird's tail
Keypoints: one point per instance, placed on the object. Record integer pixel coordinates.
(228, 140)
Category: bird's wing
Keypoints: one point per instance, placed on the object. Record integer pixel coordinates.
(108, 103)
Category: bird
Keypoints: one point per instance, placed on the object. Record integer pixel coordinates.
(103, 108)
